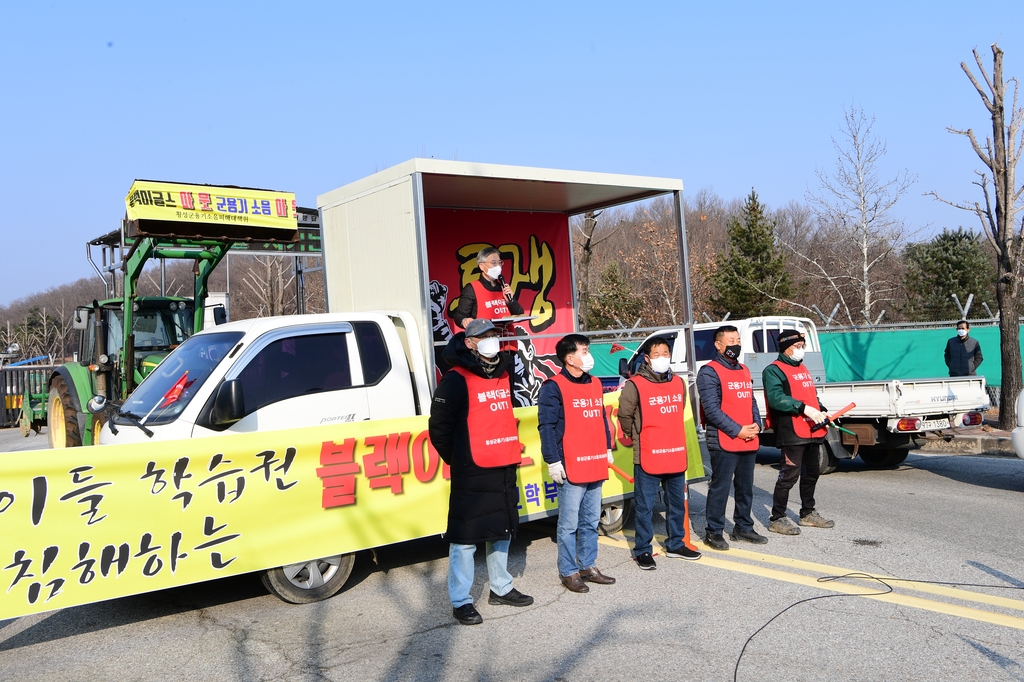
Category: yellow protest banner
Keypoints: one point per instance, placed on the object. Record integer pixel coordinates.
(86, 524)
(150, 200)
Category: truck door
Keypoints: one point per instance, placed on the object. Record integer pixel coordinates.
(298, 379)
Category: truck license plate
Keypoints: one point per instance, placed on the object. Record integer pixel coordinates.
(934, 424)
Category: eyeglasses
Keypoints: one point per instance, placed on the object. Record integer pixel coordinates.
(492, 263)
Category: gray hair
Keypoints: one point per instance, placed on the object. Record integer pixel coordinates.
(485, 253)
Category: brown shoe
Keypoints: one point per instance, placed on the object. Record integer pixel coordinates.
(593, 575)
(574, 583)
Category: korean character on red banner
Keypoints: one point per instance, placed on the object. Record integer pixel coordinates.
(338, 473)
(387, 461)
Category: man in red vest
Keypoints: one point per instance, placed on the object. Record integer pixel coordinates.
(651, 410)
(577, 446)
(733, 422)
(473, 430)
(487, 298)
(796, 415)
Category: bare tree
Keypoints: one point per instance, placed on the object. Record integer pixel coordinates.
(857, 235)
(997, 214)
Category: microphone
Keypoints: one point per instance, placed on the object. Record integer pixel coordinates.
(501, 281)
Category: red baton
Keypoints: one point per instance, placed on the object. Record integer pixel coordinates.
(620, 472)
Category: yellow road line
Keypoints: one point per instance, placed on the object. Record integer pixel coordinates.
(844, 588)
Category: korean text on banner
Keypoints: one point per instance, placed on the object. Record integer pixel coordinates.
(166, 201)
(87, 524)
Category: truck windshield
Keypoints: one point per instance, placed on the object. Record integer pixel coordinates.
(162, 396)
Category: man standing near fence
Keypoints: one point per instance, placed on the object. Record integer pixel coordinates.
(963, 352)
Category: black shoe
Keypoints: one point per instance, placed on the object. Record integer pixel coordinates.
(467, 614)
(748, 536)
(646, 562)
(716, 541)
(511, 598)
(683, 552)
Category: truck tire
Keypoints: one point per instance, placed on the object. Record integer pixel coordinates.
(882, 458)
(827, 462)
(61, 417)
(309, 581)
(613, 516)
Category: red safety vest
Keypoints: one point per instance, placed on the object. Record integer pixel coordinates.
(662, 434)
(737, 404)
(585, 444)
(493, 436)
(801, 387)
(490, 305)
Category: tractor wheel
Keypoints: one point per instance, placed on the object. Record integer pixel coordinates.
(62, 417)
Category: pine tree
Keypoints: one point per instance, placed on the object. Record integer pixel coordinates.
(752, 279)
(954, 262)
(614, 301)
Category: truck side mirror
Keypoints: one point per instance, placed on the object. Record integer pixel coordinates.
(220, 315)
(624, 368)
(228, 403)
(80, 319)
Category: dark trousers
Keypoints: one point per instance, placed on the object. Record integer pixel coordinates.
(735, 470)
(794, 459)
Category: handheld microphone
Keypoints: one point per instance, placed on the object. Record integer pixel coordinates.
(501, 281)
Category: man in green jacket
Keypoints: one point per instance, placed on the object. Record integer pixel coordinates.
(798, 419)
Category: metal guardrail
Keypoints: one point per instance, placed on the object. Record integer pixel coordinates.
(13, 382)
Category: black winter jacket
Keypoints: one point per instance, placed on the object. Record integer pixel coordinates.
(483, 505)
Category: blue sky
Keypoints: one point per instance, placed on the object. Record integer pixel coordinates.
(306, 97)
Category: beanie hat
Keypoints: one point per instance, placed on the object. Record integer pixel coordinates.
(788, 337)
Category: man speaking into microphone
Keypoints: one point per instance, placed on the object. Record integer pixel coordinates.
(487, 298)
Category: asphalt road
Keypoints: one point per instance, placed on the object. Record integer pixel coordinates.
(939, 518)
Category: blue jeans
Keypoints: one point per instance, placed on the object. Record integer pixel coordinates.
(460, 571)
(736, 469)
(644, 493)
(579, 511)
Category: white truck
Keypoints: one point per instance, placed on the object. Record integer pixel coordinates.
(888, 416)
(381, 237)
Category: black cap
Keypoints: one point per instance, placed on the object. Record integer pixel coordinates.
(788, 337)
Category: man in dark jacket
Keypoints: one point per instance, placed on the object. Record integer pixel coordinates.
(963, 353)
(733, 422)
(489, 297)
(474, 432)
(577, 446)
(794, 412)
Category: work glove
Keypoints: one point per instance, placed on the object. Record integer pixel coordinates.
(814, 415)
(611, 457)
(557, 472)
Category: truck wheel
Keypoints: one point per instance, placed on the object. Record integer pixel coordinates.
(61, 417)
(309, 581)
(827, 462)
(883, 457)
(613, 516)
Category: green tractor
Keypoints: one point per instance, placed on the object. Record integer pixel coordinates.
(123, 338)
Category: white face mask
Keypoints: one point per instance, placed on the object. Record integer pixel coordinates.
(495, 272)
(488, 347)
(587, 362)
(798, 354)
(660, 365)
(961, 333)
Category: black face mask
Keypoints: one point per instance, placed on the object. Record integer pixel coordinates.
(732, 352)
